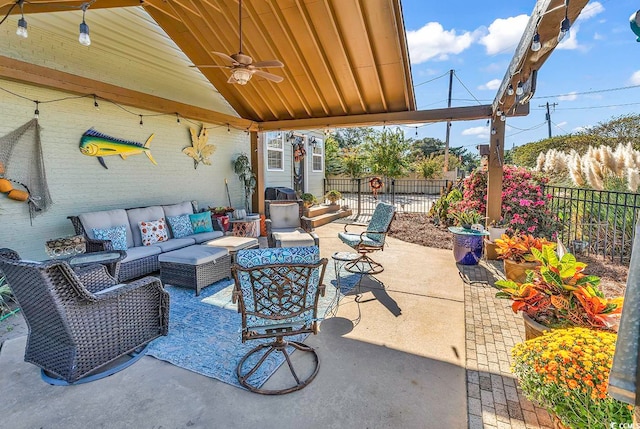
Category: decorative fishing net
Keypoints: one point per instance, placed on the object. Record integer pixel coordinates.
(25, 165)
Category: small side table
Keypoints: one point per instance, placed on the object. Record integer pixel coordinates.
(245, 227)
(467, 245)
(339, 261)
(110, 259)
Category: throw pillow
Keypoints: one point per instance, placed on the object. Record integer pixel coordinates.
(153, 231)
(201, 222)
(117, 235)
(180, 225)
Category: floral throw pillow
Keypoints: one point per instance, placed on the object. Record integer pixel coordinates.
(201, 222)
(117, 235)
(153, 231)
(180, 225)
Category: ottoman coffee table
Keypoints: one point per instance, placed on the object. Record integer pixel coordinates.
(233, 244)
(195, 267)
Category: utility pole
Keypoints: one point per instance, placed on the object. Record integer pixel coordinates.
(548, 115)
(446, 142)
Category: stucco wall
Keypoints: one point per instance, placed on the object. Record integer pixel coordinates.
(78, 183)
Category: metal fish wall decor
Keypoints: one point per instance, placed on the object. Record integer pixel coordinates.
(94, 143)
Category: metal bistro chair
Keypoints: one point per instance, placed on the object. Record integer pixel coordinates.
(370, 240)
(80, 321)
(277, 291)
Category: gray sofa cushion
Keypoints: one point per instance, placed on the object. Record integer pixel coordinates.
(134, 253)
(178, 209)
(193, 255)
(107, 219)
(174, 243)
(205, 236)
(142, 215)
(277, 230)
(284, 215)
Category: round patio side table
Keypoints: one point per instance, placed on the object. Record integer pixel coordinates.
(467, 245)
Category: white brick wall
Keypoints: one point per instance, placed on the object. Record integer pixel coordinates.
(78, 183)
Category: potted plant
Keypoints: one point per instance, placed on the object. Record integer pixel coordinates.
(333, 197)
(566, 372)
(559, 294)
(466, 218)
(308, 199)
(515, 251)
(242, 167)
(497, 228)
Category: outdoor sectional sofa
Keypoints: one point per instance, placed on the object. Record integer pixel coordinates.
(140, 259)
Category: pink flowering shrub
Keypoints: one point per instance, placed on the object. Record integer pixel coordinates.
(525, 207)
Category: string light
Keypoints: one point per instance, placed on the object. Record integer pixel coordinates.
(535, 44)
(228, 129)
(416, 131)
(36, 114)
(22, 23)
(510, 90)
(565, 25)
(519, 89)
(95, 103)
(493, 131)
(177, 117)
(141, 123)
(84, 38)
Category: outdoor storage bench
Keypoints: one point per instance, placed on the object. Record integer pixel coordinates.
(144, 233)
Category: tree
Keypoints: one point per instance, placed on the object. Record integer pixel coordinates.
(352, 137)
(432, 167)
(388, 153)
(353, 163)
(332, 156)
(424, 147)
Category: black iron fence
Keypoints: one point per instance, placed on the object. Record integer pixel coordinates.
(596, 222)
(409, 196)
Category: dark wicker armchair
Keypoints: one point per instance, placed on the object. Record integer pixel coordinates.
(79, 321)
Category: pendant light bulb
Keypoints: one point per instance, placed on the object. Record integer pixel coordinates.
(510, 90)
(84, 38)
(565, 25)
(535, 44)
(493, 131)
(519, 89)
(22, 23)
(141, 123)
(503, 118)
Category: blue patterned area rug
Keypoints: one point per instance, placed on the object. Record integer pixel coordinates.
(204, 331)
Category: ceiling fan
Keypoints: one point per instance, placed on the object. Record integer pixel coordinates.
(242, 66)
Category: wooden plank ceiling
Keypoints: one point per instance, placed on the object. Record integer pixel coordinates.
(342, 57)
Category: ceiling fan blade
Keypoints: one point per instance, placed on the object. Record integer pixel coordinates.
(225, 56)
(267, 64)
(208, 66)
(268, 76)
(241, 58)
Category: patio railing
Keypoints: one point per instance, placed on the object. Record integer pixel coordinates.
(596, 222)
(408, 195)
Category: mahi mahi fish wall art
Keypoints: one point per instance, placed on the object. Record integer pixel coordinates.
(94, 143)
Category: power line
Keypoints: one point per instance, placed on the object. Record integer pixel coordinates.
(431, 80)
(597, 91)
(465, 87)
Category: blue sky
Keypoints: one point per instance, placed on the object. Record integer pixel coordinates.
(477, 40)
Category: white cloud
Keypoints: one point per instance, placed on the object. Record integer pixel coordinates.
(480, 132)
(568, 97)
(432, 41)
(635, 78)
(492, 85)
(571, 41)
(561, 124)
(580, 129)
(597, 36)
(504, 34)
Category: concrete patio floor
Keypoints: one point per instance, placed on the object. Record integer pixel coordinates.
(399, 358)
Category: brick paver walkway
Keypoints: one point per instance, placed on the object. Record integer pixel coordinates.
(492, 329)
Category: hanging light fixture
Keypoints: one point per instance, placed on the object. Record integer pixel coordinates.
(535, 44)
(84, 38)
(519, 89)
(510, 90)
(22, 23)
(241, 76)
(565, 25)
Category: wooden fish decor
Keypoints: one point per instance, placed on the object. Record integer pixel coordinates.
(94, 143)
(199, 150)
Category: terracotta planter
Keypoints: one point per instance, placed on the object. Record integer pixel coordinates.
(517, 271)
(532, 329)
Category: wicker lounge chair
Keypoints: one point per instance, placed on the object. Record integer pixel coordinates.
(370, 240)
(278, 291)
(79, 321)
(286, 216)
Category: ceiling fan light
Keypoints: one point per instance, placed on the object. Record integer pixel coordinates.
(241, 76)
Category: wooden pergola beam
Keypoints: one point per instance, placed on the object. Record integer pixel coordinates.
(45, 77)
(545, 20)
(467, 113)
(47, 6)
